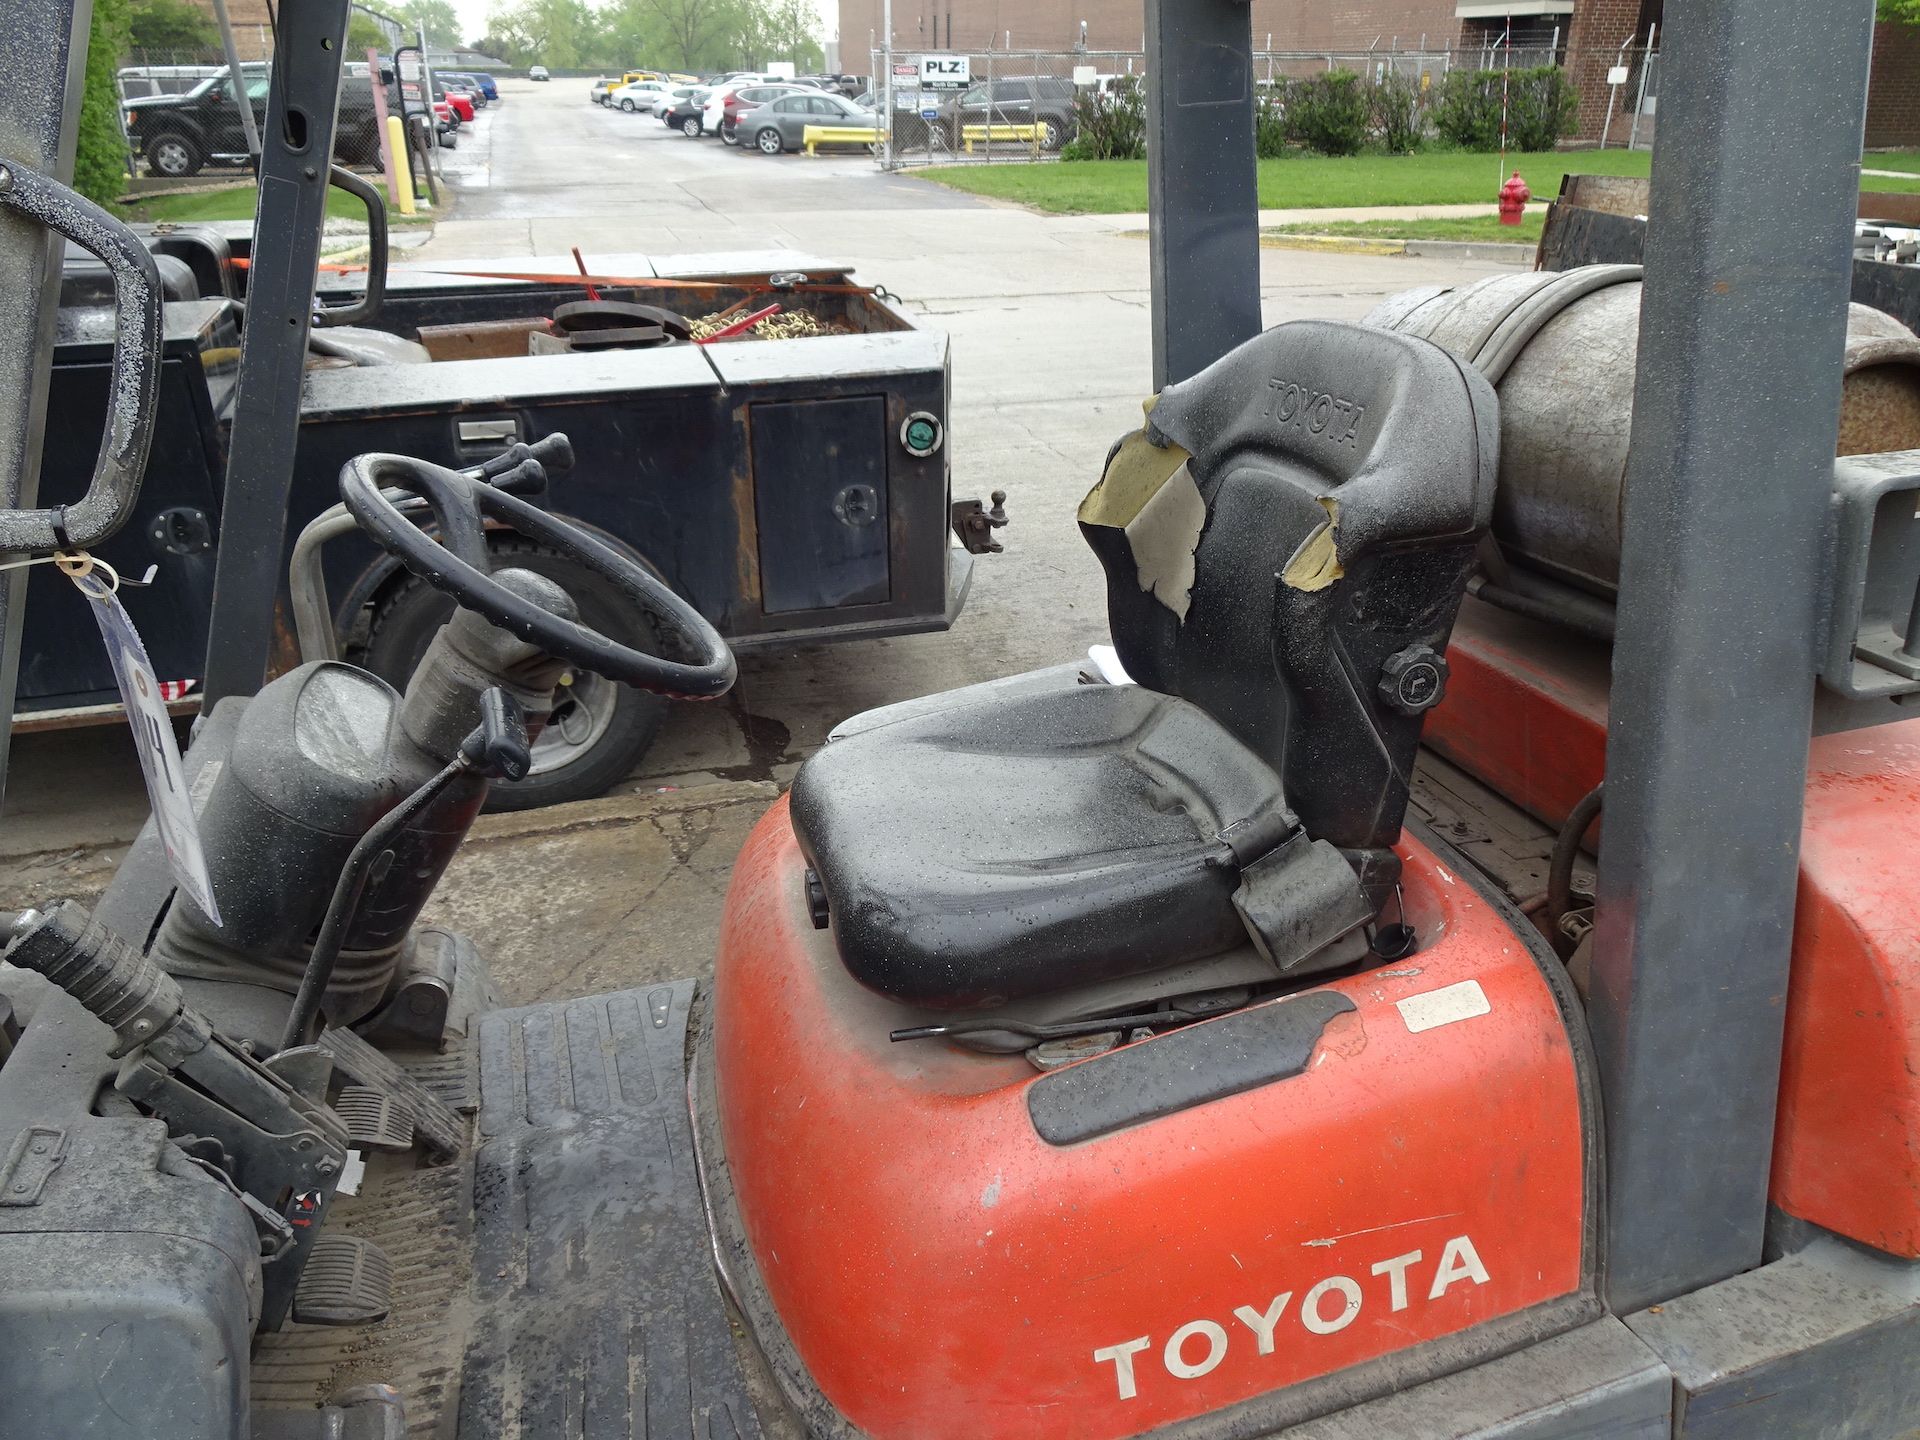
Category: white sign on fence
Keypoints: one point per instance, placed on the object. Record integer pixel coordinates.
(1617, 75)
(946, 72)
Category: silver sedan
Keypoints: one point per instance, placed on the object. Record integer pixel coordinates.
(782, 124)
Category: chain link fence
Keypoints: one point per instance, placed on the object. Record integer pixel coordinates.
(958, 107)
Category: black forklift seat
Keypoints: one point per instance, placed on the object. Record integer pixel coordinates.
(1286, 543)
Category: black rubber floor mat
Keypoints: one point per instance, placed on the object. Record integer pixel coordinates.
(555, 1281)
(596, 1310)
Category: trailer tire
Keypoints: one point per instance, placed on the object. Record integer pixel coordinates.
(593, 741)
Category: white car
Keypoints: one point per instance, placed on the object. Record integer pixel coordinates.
(537, 72)
(667, 98)
(640, 95)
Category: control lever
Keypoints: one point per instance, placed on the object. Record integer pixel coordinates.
(496, 748)
(133, 386)
(520, 469)
(282, 1150)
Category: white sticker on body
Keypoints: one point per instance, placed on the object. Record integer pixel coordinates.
(1444, 1006)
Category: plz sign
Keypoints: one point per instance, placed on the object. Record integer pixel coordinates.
(946, 72)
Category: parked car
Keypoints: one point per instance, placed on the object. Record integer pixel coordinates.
(599, 90)
(725, 105)
(489, 87)
(538, 72)
(640, 95)
(684, 113)
(1017, 100)
(782, 124)
(178, 135)
(465, 84)
(666, 99)
(459, 101)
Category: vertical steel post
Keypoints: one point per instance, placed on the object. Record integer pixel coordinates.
(237, 78)
(1735, 414)
(39, 126)
(297, 150)
(1203, 197)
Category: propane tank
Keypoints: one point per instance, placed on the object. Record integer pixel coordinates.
(1513, 200)
(1560, 348)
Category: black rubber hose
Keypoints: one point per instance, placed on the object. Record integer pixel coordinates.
(1535, 608)
(1566, 847)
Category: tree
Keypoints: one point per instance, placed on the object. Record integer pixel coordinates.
(437, 17)
(364, 34)
(100, 157)
(170, 25)
(691, 33)
(559, 33)
(1906, 12)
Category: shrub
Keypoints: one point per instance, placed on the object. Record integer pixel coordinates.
(1329, 112)
(100, 156)
(1269, 124)
(1541, 105)
(1396, 112)
(1112, 126)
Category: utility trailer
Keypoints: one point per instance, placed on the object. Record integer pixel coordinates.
(795, 490)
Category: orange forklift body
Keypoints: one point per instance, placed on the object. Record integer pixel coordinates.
(1526, 713)
(947, 1272)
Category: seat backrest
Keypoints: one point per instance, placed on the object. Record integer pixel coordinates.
(1287, 542)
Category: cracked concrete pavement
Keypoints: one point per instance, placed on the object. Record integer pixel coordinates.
(1049, 323)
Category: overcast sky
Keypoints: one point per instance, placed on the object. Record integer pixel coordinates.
(474, 13)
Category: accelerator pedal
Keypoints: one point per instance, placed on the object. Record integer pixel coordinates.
(440, 1130)
(348, 1281)
(376, 1119)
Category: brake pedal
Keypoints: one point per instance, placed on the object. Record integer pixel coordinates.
(376, 1119)
(348, 1281)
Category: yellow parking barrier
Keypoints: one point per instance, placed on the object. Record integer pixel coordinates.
(979, 134)
(839, 135)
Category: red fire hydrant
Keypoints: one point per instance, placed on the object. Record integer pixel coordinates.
(1513, 200)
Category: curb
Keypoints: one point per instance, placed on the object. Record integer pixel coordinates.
(1504, 253)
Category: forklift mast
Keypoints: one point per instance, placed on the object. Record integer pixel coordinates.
(39, 128)
(1749, 254)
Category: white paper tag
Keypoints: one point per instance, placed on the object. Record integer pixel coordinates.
(153, 740)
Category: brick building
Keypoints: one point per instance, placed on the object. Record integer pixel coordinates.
(1589, 34)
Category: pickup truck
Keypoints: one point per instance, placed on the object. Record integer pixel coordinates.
(796, 491)
(179, 135)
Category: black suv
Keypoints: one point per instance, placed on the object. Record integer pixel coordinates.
(176, 135)
(1017, 100)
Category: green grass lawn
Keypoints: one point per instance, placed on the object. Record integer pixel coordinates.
(1462, 227)
(1905, 160)
(235, 202)
(1302, 182)
(1306, 182)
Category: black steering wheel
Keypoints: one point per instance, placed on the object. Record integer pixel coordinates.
(459, 562)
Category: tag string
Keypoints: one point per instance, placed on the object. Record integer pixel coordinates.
(79, 566)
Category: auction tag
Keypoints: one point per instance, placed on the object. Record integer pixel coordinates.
(153, 740)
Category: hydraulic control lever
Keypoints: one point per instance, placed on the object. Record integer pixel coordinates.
(280, 1150)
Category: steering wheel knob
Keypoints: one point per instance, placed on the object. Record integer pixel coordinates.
(459, 562)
